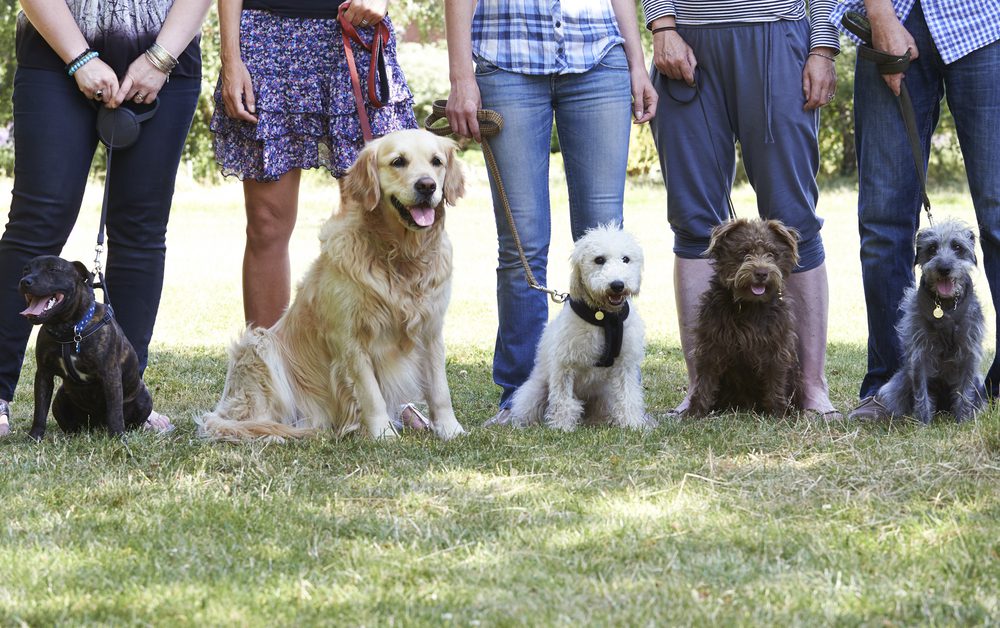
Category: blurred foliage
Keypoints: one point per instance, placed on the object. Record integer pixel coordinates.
(425, 62)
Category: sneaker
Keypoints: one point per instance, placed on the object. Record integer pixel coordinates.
(501, 418)
(4, 418)
(870, 409)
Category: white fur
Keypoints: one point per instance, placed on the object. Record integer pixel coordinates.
(566, 387)
(363, 334)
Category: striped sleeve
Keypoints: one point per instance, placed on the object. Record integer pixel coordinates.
(822, 32)
(654, 9)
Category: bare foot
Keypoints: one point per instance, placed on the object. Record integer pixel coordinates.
(158, 423)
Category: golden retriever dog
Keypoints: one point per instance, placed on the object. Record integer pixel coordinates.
(364, 332)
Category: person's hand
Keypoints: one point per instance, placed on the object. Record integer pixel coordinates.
(142, 82)
(673, 57)
(237, 92)
(97, 80)
(463, 103)
(889, 35)
(644, 96)
(365, 13)
(819, 78)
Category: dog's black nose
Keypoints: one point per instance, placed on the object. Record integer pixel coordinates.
(425, 185)
(617, 286)
(944, 271)
(760, 276)
(26, 281)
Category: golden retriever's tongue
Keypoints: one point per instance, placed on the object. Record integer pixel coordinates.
(36, 307)
(423, 216)
(946, 288)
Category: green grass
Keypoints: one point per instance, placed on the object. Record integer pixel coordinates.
(732, 520)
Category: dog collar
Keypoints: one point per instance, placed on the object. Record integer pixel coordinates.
(613, 324)
(80, 331)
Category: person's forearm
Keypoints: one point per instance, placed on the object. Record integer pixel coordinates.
(628, 24)
(458, 28)
(229, 29)
(55, 23)
(879, 9)
(183, 22)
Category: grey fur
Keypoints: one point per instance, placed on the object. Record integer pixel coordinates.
(941, 356)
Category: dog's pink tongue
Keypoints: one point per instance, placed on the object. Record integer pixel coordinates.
(758, 289)
(36, 307)
(423, 216)
(946, 288)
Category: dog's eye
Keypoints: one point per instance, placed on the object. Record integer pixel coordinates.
(398, 162)
(436, 161)
(932, 249)
(626, 259)
(955, 246)
(600, 260)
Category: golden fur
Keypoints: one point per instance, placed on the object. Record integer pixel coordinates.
(363, 334)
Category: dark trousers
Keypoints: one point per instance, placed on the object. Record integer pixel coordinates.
(54, 143)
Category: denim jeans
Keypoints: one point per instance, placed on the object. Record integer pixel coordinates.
(889, 190)
(54, 142)
(593, 113)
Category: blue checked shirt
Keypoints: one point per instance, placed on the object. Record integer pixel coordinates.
(544, 36)
(957, 27)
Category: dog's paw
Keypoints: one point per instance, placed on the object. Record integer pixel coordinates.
(36, 435)
(448, 431)
(382, 429)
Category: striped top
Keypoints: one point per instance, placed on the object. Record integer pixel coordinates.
(957, 27)
(701, 12)
(544, 36)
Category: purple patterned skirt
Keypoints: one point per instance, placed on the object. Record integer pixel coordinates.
(306, 116)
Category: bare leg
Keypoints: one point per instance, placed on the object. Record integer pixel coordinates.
(691, 277)
(272, 207)
(809, 294)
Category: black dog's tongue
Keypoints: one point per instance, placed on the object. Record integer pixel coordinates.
(39, 305)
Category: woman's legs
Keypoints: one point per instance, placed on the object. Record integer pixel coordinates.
(272, 207)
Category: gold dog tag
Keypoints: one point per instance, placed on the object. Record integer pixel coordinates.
(938, 312)
(599, 315)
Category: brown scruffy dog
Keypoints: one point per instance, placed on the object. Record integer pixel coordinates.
(745, 354)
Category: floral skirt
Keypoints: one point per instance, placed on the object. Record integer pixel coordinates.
(306, 114)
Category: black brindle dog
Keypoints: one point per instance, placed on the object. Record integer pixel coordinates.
(81, 342)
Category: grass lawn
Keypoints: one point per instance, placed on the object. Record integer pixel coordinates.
(736, 519)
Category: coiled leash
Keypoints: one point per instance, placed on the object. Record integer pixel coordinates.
(490, 125)
(378, 80)
(859, 26)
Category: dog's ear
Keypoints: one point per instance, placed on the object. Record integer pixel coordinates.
(454, 177)
(972, 246)
(361, 183)
(788, 235)
(719, 234)
(86, 276)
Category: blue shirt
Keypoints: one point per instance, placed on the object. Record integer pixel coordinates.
(957, 27)
(544, 36)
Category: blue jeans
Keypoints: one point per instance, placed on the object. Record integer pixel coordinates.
(54, 143)
(889, 190)
(593, 114)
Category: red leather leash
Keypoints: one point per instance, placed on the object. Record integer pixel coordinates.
(376, 71)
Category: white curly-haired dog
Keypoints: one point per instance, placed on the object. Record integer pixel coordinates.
(587, 365)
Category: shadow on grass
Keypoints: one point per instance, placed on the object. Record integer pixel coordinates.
(732, 519)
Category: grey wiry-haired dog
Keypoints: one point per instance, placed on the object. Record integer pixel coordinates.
(941, 330)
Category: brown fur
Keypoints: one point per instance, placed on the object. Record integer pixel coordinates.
(745, 353)
(363, 334)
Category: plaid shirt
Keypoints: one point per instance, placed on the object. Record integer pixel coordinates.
(957, 27)
(544, 36)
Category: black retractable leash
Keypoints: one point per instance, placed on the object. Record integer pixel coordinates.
(117, 129)
(683, 94)
(859, 26)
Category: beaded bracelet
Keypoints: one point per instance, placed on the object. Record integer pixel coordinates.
(820, 54)
(79, 57)
(81, 61)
